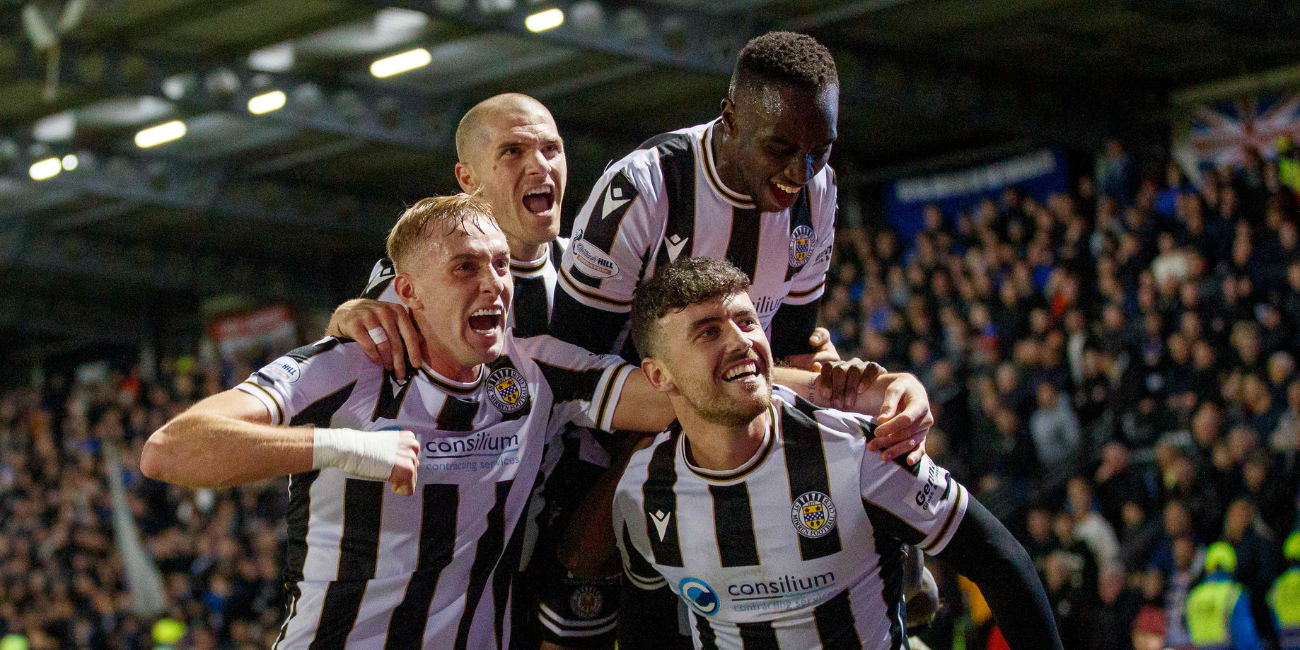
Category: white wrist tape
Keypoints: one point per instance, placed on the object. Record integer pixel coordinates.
(368, 454)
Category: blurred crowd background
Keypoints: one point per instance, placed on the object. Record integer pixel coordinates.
(1112, 370)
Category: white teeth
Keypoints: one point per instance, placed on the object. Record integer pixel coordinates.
(744, 368)
(541, 191)
(788, 189)
(494, 311)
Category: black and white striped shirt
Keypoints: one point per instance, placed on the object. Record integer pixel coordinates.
(800, 548)
(666, 200)
(367, 568)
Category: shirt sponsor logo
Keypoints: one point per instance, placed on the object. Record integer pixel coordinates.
(823, 256)
(802, 242)
(927, 497)
(767, 305)
(784, 593)
(507, 390)
(813, 514)
(700, 595)
(481, 451)
(286, 368)
(592, 261)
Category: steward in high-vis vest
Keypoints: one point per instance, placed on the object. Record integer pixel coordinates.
(1218, 609)
(1284, 597)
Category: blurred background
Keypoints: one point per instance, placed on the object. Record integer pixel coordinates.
(1075, 220)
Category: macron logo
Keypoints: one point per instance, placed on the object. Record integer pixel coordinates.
(614, 199)
(675, 245)
(661, 522)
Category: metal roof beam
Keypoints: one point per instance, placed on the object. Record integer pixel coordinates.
(668, 35)
(394, 116)
(209, 189)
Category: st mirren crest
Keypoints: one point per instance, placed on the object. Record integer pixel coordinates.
(813, 514)
(586, 601)
(507, 390)
(802, 242)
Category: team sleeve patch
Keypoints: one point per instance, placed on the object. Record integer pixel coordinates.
(924, 497)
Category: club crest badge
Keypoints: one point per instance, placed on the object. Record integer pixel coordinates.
(813, 515)
(586, 601)
(802, 242)
(507, 390)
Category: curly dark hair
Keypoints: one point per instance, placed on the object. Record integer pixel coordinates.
(785, 58)
(677, 286)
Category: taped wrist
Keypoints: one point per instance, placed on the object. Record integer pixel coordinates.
(368, 454)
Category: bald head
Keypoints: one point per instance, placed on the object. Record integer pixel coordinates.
(470, 140)
(511, 154)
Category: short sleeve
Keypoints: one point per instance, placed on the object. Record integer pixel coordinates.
(614, 234)
(640, 573)
(326, 369)
(586, 386)
(921, 505)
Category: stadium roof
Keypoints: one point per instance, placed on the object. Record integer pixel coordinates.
(285, 204)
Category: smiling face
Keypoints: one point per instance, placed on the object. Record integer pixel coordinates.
(513, 157)
(714, 356)
(781, 138)
(459, 288)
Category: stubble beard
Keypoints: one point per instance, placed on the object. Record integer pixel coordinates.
(721, 410)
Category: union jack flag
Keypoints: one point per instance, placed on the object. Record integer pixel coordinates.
(1222, 131)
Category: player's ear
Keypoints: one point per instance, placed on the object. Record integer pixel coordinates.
(728, 114)
(658, 376)
(466, 177)
(406, 291)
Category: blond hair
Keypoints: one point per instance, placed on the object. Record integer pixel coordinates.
(455, 211)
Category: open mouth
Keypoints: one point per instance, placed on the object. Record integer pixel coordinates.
(485, 321)
(743, 370)
(784, 194)
(539, 200)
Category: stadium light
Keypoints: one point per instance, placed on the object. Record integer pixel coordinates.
(156, 135)
(399, 63)
(70, 162)
(544, 20)
(45, 169)
(266, 102)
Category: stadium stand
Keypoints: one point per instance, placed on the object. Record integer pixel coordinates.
(1113, 371)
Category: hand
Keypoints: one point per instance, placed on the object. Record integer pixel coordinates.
(823, 349)
(839, 383)
(355, 318)
(823, 352)
(904, 420)
(405, 469)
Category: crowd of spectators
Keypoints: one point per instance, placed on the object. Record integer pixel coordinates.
(1113, 373)
(63, 581)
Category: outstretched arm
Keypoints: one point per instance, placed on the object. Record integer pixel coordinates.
(985, 552)
(227, 439)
